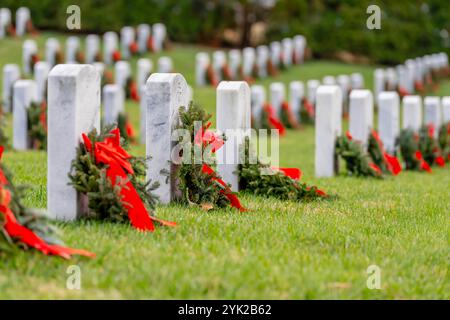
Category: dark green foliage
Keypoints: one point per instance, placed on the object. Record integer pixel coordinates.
(103, 199)
(122, 124)
(37, 118)
(197, 187)
(305, 118)
(408, 142)
(428, 145)
(376, 154)
(259, 179)
(357, 161)
(444, 140)
(4, 141)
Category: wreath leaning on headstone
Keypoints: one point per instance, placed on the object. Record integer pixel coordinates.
(37, 125)
(111, 182)
(444, 141)
(22, 227)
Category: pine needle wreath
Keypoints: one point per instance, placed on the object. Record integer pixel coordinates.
(357, 161)
(409, 143)
(4, 141)
(126, 130)
(389, 164)
(444, 140)
(37, 125)
(103, 199)
(262, 180)
(198, 187)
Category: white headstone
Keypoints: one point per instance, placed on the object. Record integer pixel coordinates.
(29, 49)
(5, 21)
(412, 112)
(122, 72)
(357, 80)
(411, 71)
(277, 96)
(201, 66)
(391, 79)
(328, 128)
(248, 61)
(73, 109)
(22, 18)
(52, 48)
(159, 36)
(11, 74)
(92, 48)
(100, 67)
(433, 113)
(299, 48)
(287, 51)
(219, 60)
(343, 81)
(165, 94)
(23, 97)
(262, 57)
(312, 86)
(403, 76)
(328, 81)
(234, 57)
(110, 45)
(144, 69)
(275, 53)
(72, 48)
(41, 70)
(127, 37)
(258, 99)
(233, 113)
(296, 94)
(113, 103)
(446, 109)
(361, 115)
(378, 83)
(389, 119)
(143, 34)
(165, 65)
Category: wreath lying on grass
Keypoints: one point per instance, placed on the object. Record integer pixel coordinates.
(131, 90)
(22, 227)
(429, 146)
(409, 145)
(307, 112)
(126, 129)
(269, 120)
(112, 181)
(37, 125)
(389, 164)
(444, 141)
(288, 117)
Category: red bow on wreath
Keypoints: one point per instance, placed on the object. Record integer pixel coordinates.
(24, 235)
(286, 107)
(392, 163)
(273, 119)
(116, 158)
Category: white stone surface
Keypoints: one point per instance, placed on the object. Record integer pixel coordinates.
(235, 60)
(122, 72)
(262, 57)
(110, 44)
(22, 18)
(329, 81)
(446, 109)
(248, 61)
(357, 80)
(258, 99)
(23, 97)
(159, 36)
(144, 69)
(379, 84)
(391, 79)
(275, 53)
(202, 62)
(287, 51)
(143, 34)
(73, 109)
(29, 48)
(113, 103)
(328, 128)
(165, 65)
(412, 112)
(433, 112)
(52, 48)
(233, 113)
(389, 119)
(41, 70)
(11, 73)
(5, 21)
(92, 47)
(72, 47)
(165, 94)
(312, 86)
(299, 42)
(361, 115)
(296, 94)
(127, 36)
(100, 67)
(219, 60)
(277, 96)
(343, 81)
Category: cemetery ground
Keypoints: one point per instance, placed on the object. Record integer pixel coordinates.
(278, 250)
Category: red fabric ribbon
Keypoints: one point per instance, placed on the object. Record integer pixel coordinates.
(418, 85)
(226, 72)
(26, 236)
(130, 130)
(150, 44)
(402, 91)
(133, 47)
(422, 163)
(293, 173)
(274, 122)
(391, 161)
(291, 117)
(309, 107)
(440, 161)
(116, 158)
(211, 76)
(116, 56)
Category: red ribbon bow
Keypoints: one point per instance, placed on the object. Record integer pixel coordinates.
(273, 119)
(26, 236)
(116, 158)
(391, 161)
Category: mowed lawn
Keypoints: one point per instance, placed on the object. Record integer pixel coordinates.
(277, 250)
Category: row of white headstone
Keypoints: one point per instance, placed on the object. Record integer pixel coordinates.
(361, 120)
(407, 75)
(74, 108)
(287, 52)
(23, 18)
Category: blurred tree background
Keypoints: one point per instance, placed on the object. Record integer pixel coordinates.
(334, 29)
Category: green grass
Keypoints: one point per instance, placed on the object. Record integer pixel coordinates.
(277, 250)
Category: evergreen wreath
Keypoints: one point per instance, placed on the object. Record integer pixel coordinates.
(288, 117)
(389, 164)
(444, 141)
(429, 146)
(281, 183)
(37, 125)
(358, 162)
(105, 200)
(408, 143)
(25, 228)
